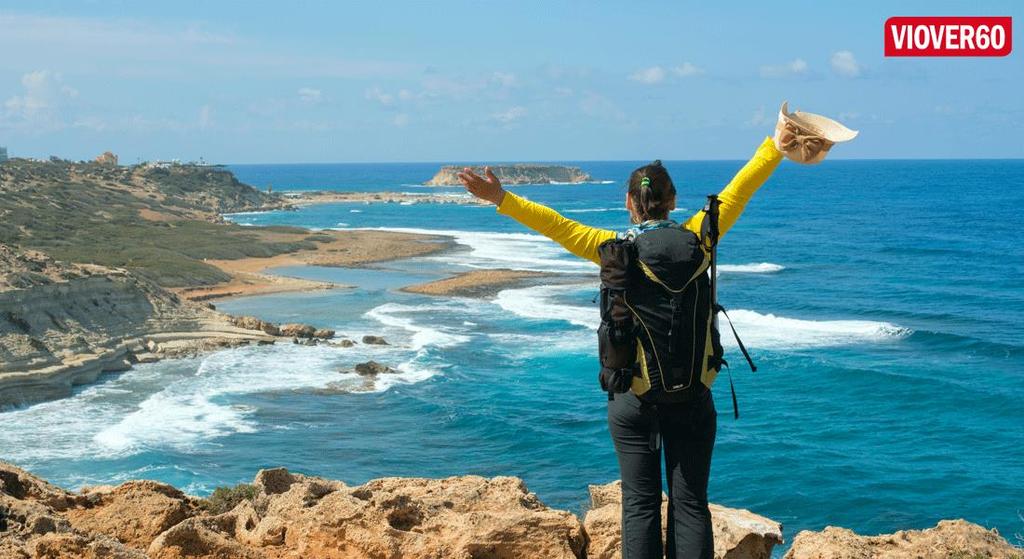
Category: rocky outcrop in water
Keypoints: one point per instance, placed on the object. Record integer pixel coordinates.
(520, 173)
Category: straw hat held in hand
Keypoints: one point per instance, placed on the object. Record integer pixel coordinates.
(807, 137)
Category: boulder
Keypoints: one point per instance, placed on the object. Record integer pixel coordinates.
(297, 330)
(346, 343)
(372, 369)
(33, 522)
(739, 534)
(19, 485)
(323, 333)
(374, 340)
(273, 481)
(79, 546)
(133, 513)
(198, 538)
(253, 323)
(949, 538)
(459, 517)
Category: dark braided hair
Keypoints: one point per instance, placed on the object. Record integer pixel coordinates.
(651, 189)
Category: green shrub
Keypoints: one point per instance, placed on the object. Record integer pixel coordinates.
(223, 499)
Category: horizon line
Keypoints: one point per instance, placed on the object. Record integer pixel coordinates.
(560, 161)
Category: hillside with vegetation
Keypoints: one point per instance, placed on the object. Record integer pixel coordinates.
(158, 222)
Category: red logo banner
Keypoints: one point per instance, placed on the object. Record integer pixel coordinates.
(948, 36)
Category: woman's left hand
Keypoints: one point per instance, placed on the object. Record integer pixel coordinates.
(483, 188)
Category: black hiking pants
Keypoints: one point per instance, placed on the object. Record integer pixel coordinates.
(687, 434)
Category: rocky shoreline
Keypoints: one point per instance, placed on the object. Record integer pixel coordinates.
(287, 515)
(63, 325)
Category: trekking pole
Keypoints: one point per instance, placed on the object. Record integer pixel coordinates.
(712, 210)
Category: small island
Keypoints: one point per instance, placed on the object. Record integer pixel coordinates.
(516, 174)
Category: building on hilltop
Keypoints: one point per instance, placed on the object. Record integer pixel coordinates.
(3, 154)
(106, 158)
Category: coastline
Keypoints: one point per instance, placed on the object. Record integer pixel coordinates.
(132, 320)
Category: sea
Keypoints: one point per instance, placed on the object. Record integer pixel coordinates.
(883, 302)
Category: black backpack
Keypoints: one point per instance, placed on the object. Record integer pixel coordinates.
(658, 333)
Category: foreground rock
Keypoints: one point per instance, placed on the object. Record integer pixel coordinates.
(949, 538)
(285, 515)
(739, 534)
(290, 516)
(520, 173)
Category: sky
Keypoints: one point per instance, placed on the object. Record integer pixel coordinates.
(303, 82)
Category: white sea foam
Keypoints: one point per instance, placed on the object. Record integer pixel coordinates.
(759, 268)
(517, 251)
(355, 211)
(395, 316)
(537, 302)
(188, 411)
(779, 333)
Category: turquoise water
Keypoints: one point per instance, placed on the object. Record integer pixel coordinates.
(882, 300)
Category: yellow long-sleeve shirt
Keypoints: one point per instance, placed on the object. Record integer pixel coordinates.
(583, 240)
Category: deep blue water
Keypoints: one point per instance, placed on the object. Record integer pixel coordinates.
(882, 300)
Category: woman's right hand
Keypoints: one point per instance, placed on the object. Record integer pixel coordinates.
(483, 188)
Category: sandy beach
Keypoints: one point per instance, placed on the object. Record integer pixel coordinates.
(477, 283)
(340, 248)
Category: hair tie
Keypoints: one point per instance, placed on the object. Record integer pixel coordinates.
(645, 182)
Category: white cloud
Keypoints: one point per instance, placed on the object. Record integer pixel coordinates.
(379, 95)
(793, 68)
(562, 91)
(504, 79)
(510, 115)
(400, 120)
(309, 95)
(845, 64)
(40, 102)
(649, 76)
(687, 69)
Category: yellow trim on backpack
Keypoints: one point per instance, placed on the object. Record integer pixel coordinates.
(708, 376)
(642, 383)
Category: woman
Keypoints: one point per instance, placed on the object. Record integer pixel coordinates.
(685, 430)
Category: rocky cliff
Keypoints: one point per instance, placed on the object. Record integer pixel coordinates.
(520, 173)
(64, 324)
(285, 515)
